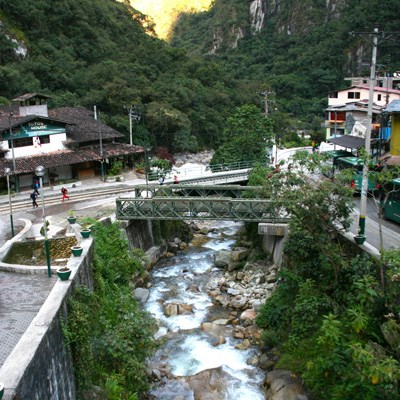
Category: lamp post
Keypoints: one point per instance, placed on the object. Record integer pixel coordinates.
(40, 171)
(8, 172)
(12, 153)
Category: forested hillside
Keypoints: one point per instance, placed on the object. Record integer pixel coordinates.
(105, 53)
(88, 53)
(302, 49)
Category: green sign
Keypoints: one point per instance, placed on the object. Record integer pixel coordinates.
(34, 128)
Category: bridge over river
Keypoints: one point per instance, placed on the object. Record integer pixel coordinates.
(199, 202)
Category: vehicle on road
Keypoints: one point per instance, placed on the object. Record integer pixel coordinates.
(391, 207)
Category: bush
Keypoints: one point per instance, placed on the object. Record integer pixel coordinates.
(110, 337)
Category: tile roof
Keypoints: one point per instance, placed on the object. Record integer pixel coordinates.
(58, 158)
(28, 96)
(82, 127)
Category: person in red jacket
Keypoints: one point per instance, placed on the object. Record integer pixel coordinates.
(64, 193)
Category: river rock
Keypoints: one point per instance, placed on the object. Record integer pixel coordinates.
(141, 295)
(221, 340)
(248, 315)
(171, 309)
(210, 384)
(244, 345)
(222, 258)
(239, 302)
(239, 254)
(216, 330)
(233, 265)
(284, 385)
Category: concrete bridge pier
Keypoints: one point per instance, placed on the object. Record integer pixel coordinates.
(274, 236)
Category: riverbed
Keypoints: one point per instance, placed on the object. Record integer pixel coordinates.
(193, 363)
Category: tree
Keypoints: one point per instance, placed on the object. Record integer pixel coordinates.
(247, 136)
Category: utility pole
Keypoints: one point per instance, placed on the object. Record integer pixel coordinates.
(133, 114)
(130, 126)
(360, 237)
(97, 117)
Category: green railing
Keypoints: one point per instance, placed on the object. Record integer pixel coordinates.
(198, 208)
(234, 191)
(154, 175)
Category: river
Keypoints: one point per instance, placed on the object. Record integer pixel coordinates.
(197, 364)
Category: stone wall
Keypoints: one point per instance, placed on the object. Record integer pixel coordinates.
(139, 234)
(274, 236)
(40, 365)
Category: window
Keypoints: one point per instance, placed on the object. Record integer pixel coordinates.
(379, 97)
(21, 142)
(28, 141)
(353, 95)
(333, 95)
(338, 116)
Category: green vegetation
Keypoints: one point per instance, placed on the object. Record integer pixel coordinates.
(85, 53)
(246, 137)
(108, 334)
(333, 316)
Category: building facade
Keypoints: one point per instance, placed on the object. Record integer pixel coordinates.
(69, 142)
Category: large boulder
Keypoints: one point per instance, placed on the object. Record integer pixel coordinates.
(210, 384)
(222, 258)
(141, 295)
(284, 385)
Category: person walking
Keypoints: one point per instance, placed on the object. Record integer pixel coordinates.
(176, 180)
(36, 187)
(33, 198)
(64, 193)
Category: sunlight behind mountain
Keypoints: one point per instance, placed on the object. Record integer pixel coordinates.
(165, 12)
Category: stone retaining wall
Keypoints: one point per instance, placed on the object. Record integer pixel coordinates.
(40, 366)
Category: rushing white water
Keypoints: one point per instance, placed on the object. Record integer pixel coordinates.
(183, 279)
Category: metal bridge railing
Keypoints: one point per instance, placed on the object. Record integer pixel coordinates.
(233, 191)
(198, 208)
(203, 169)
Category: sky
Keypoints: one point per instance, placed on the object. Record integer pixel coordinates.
(165, 12)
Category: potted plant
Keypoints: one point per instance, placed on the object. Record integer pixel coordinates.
(85, 231)
(71, 216)
(76, 251)
(64, 273)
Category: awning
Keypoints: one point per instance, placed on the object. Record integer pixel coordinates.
(390, 160)
(348, 141)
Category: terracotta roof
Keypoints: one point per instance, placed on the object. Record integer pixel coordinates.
(82, 127)
(26, 165)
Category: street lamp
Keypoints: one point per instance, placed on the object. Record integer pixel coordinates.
(8, 172)
(40, 171)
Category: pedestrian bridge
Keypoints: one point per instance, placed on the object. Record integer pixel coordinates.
(196, 202)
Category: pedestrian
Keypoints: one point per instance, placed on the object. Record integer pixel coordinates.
(161, 180)
(33, 198)
(176, 180)
(36, 187)
(64, 193)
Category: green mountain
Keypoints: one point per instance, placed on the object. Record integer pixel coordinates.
(302, 49)
(89, 53)
(105, 53)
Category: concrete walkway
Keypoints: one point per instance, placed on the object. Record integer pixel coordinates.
(22, 295)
